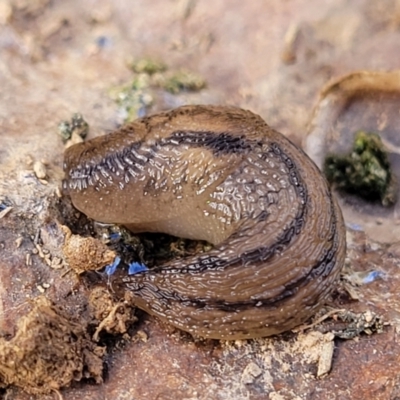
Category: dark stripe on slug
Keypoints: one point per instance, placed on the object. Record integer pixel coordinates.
(294, 176)
(255, 256)
(322, 268)
(218, 143)
(221, 174)
(136, 155)
(260, 254)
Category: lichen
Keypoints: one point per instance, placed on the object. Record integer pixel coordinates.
(365, 171)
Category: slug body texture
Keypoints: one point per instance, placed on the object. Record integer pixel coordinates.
(219, 174)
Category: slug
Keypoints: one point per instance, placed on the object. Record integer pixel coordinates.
(219, 174)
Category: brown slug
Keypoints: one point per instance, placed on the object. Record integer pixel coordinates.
(219, 174)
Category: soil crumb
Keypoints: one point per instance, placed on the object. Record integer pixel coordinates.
(113, 318)
(85, 253)
(49, 351)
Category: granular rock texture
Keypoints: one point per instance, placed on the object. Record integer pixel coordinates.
(48, 351)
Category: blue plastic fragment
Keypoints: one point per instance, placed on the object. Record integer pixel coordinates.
(136, 267)
(111, 268)
(355, 227)
(372, 276)
(103, 41)
(114, 236)
(142, 112)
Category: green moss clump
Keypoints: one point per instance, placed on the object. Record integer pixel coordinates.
(148, 66)
(77, 125)
(183, 81)
(365, 171)
(135, 97)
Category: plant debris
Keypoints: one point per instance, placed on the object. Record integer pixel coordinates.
(365, 172)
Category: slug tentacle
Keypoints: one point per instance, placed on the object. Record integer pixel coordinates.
(219, 174)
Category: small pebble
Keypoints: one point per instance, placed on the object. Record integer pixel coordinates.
(39, 169)
(4, 212)
(41, 288)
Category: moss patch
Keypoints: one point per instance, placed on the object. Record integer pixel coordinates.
(365, 171)
(136, 98)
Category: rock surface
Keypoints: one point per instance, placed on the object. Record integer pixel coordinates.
(59, 58)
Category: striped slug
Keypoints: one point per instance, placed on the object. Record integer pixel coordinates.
(219, 174)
